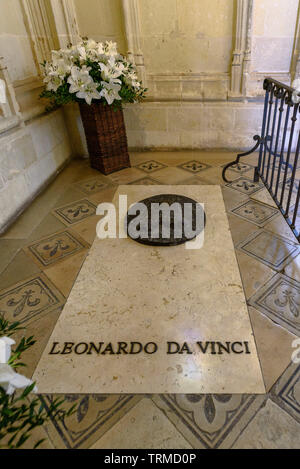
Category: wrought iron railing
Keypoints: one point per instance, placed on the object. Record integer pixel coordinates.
(279, 146)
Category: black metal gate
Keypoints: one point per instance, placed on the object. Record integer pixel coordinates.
(279, 145)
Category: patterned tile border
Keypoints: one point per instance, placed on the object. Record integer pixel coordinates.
(27, 300)
(273, 250)
(255, 212)
(241, 168)
(286, 392)
(279, 299)
(96, 414)
(245, 185)
(150, 166)
(48, 251)
(92, 186)
(75, 211)
(193, 166)
(210, 420)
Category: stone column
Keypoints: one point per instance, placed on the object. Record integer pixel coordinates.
(242, 51)
(66, 22)
(133, 36)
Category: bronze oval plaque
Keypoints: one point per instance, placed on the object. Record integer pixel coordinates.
(165, 220)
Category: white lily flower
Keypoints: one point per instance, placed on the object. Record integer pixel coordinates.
(91, 44)
(296, 85)
(89, 92)
(79, 78)
(82, 53)
(110, 91)
(10, 380)
(112, 70)
(111, 48)
(100, 48)
(5, 348)
(52, 79)
(131, 79)
(61, 68)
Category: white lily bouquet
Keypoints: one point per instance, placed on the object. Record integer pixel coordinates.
(92, 72)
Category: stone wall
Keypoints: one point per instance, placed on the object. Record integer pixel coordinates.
(203, 61)
(33, 146)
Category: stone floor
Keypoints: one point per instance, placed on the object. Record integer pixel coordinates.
(42, 253)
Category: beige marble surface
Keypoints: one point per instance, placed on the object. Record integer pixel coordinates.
(130, 292)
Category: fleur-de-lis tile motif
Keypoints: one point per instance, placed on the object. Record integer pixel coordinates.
(280, 300)
(56, 247)
(209, 409)
(255, 212)
(245, 185)
(209, 420)
(92, 186)
(241, 167)
(28, 300)
(91, 419)
(150, 166)
(25, 299)
(77, 211)
(193, 166)
(287, 299)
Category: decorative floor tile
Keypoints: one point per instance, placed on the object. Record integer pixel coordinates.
(76, 211)
(286, 392)
(245, 185)
(279, 299)
(209, 420)
(28, 300)
(194, 166)
(49, 250)
(272, 250)
(255, 212)
(232, 198)
(96, 413)
(241, 167)
(150, 166)
(92, 185)
(145, 182)
(144, 426)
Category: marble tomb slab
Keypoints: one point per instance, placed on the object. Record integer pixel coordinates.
(129, 292)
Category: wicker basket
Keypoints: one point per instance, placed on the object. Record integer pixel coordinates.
(106, 137)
